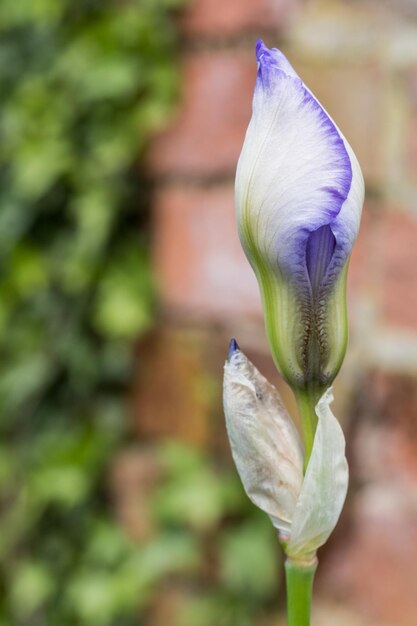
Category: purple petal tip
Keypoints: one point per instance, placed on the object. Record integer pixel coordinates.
(233, 347)
(260, 48)
(271, 61)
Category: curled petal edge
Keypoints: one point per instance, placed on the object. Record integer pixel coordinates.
(324, 488)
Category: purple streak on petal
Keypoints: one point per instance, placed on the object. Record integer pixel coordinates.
(338, 192)
(333, 197)
(319, 251)
(272, 60)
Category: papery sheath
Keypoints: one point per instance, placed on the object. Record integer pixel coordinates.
(324, 489)
(265, 444)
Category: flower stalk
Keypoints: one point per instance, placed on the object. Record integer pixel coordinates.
(307, 400)
(299, 194)
(299, 579)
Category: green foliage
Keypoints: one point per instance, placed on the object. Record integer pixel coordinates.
(206, 501)
(194, 496)
(82, 85)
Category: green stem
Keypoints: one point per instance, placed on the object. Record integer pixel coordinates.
(307, 400)
(299, 577)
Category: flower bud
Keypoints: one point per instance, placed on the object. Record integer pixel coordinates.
(269, 457)
(299, 194)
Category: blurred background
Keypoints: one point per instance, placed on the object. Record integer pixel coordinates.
(122, 280)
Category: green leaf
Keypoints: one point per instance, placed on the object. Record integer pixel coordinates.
(123, 300)
(250, 559)
(32, 585)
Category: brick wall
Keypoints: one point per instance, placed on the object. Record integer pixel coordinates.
(360, 59)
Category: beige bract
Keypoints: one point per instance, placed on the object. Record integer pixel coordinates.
(269, 457)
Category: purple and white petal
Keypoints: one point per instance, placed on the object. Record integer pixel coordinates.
(298, 184)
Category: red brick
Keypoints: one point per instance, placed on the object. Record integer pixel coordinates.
(374, 571)
(396, 256)
(383, 265)
(374, 557)
(170, 395)
(198, 257)
(207, 135)
(135, 472)
(391, 400)
(217, 17)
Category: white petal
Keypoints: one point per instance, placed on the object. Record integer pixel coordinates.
(265, 444)
(325, 486)
(296, 173)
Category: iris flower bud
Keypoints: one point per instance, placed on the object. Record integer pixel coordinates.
(269, 457)
(299, 196)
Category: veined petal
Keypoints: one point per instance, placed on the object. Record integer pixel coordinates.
(324, 488)
(265, 444)
(295, 174)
